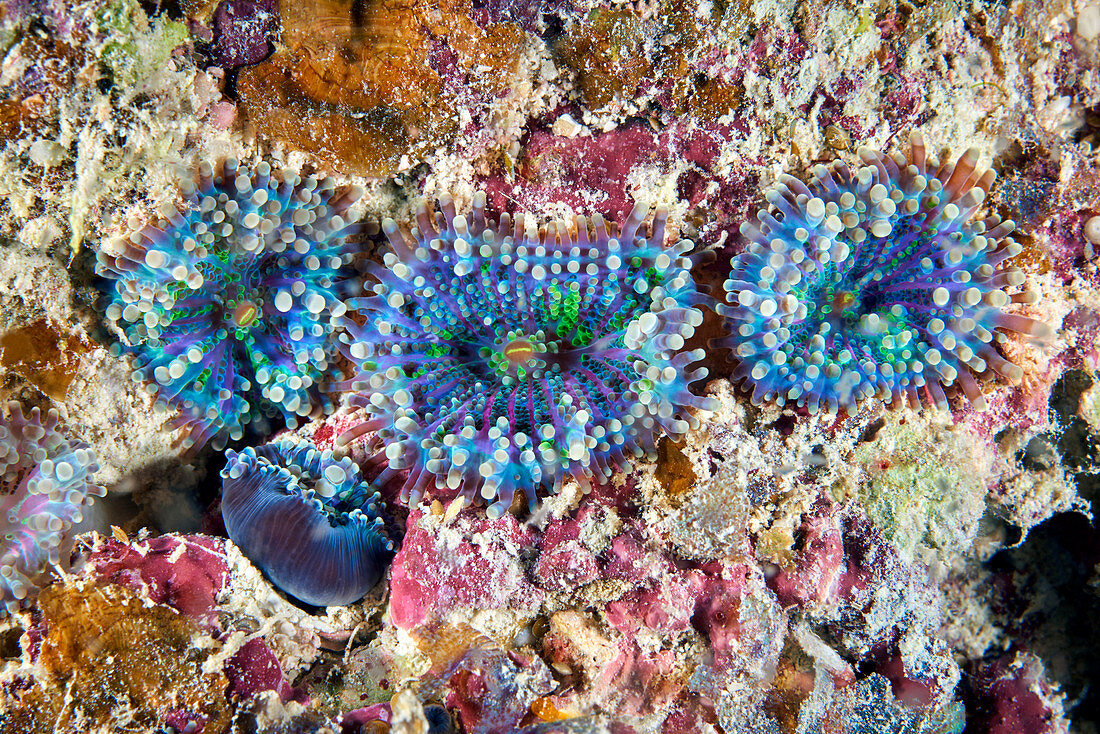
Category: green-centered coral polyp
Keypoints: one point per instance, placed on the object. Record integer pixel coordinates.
(227, 304)
(875, 283)
(497, 358)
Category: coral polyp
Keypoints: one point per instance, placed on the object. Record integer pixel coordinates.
(227, 305)
(307, 519)
(876, 283)
(495, 358)
(45, 485)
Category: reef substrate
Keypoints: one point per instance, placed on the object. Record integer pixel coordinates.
(884, 529)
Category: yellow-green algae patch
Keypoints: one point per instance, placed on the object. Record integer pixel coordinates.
(923, 482)
(137, 48)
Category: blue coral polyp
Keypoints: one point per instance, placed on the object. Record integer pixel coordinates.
(496, 358)
(875, 283)
(307, 519)
(46, 483)
(227, 305)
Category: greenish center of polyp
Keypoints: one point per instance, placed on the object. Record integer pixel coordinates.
(520, 352)
(245, 314)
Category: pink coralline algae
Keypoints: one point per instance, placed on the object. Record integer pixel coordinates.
(242, 32)
(718, 616)
(668, 606)
(189, 573)
(471, 562)
(46, 485)
(815, 574)
(651, 461)
(592, 173)
(565, 563)
(641, 681)
(254, 668)
(568, 565)
(492, 690)
(600, 163)
(725, 605)
(186, 572)
(1013, 696)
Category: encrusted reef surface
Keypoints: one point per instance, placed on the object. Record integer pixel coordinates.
(565, 366)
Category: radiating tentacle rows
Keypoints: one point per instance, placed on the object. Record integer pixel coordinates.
(875, 283)
(227, 305)
(496, 358)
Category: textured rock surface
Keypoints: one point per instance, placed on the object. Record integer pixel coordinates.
(775, 571)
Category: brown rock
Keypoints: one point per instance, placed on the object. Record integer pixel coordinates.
(362, 86)
(110, 660)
